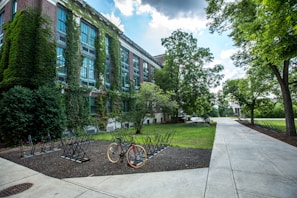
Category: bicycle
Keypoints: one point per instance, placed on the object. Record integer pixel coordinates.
(135, 154)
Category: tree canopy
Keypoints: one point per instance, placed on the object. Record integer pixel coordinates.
(185, 73)
(266, 32)
(149, 99)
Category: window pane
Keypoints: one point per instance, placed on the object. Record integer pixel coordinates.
(91, 70)
(61, 22)
(88, 34)
(83, 71)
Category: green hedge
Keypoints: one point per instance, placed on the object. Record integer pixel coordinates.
(26, 112)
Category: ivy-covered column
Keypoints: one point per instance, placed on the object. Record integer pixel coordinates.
(100, 63)
(115, 95)
(77, 104)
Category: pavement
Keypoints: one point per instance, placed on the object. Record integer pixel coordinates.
(244, 164)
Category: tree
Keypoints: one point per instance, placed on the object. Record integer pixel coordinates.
(28, 56)
(249, 92)
(148, 101)
(266, 30)
(185, 74)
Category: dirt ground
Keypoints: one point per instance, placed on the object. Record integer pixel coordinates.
(171, 158)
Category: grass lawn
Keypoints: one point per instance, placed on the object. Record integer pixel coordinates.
(187, 135)
(273, 124)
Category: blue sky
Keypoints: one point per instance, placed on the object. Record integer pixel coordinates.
(147, 21)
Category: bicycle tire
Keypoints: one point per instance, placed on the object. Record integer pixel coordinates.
(138, 160)
(113, 152)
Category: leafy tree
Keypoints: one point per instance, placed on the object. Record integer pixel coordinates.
(185, 74)
(249, 92)
(267, 31)
(29, 53)
(148, 101)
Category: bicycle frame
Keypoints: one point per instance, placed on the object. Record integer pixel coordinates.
(125, 148)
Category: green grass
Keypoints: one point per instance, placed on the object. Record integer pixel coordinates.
(273, 124)
(186, 135)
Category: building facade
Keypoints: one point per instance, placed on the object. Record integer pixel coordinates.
(100, 44)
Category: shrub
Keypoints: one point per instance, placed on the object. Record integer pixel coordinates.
(48, 113)
(26, 112)
(17, 106)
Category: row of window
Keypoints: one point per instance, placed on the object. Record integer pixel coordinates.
(87, 39)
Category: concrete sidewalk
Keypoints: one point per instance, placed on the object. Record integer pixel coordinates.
(244, 163)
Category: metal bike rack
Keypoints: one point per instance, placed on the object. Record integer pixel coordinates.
(75, 148)
(46, 146)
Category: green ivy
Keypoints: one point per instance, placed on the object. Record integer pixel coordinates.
(73, 57)
(102, 113)
(115, 93)
(100, 59)
(29, 54)
(77, 103)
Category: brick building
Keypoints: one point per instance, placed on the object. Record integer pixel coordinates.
(137, 65)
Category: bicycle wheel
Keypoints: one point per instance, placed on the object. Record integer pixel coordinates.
(113, 152)
(136, 156)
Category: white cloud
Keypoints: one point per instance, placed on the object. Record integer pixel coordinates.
(226, 54)
(190, 23)
(115, 20)
(125, 6)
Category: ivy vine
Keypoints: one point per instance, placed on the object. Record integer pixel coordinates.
(77, 103)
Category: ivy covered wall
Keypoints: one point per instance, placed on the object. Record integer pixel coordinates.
(28, 55)
(72, 53)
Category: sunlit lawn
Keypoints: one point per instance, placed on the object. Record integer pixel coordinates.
(273, 124)
(191, 135)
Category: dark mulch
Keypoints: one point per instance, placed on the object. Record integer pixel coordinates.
(292, 140)
(171, 158)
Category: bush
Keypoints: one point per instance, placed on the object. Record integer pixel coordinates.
(17, 106)
(48, 113)
(26, 112)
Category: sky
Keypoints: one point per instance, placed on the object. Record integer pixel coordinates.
(147, 21)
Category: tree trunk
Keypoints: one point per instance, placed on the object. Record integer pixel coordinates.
(138, 131)
(287, 100)
(253, 112)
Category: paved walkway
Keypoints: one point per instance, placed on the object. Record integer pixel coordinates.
(244, 163)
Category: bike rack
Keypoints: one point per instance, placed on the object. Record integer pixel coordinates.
(156, 142)
(75, 148)
(46, 146)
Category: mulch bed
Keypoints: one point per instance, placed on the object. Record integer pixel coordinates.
(51, 164)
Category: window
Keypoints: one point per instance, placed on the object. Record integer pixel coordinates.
(136, 71)
(108, 64)
(109, 105)
(87, 34)
(125, 59)
(14, 8)
(61, 69)
(87, 72)
(152, 73)
(107, 40)
(93, 105)
(125, 77)
(61, 21)
(1, 27)
(145, 72)
(125, 106)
